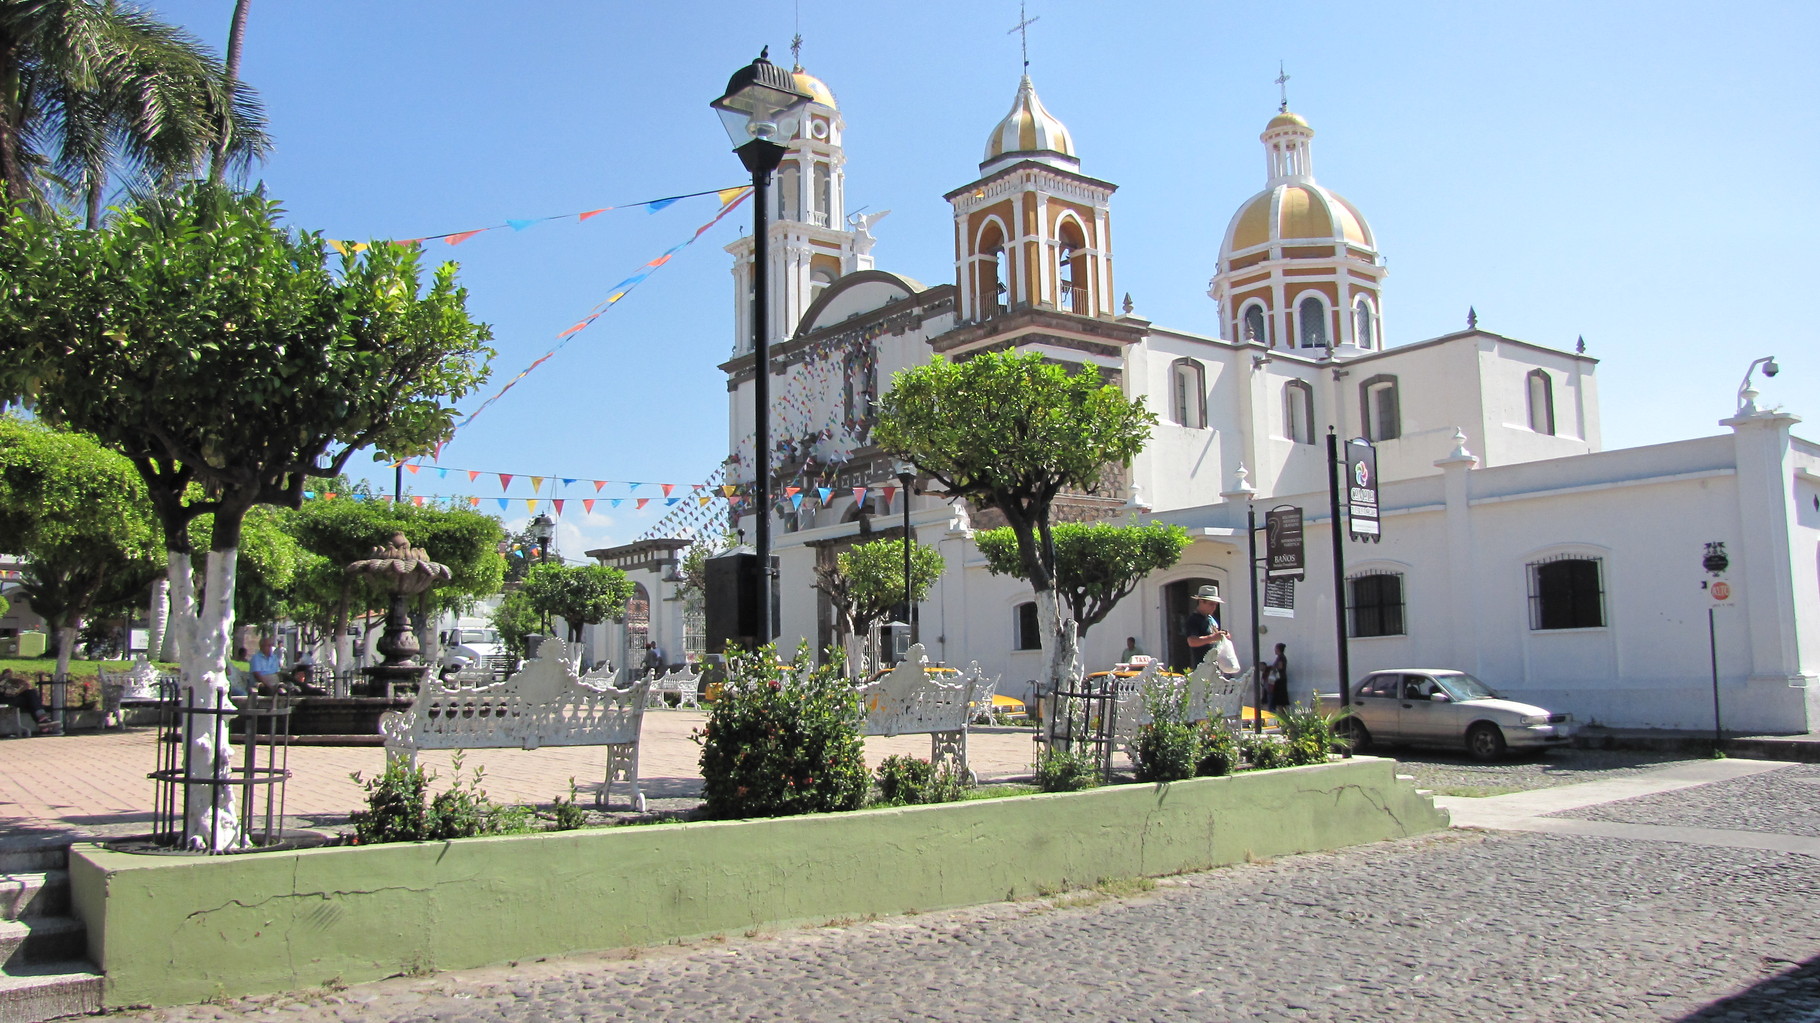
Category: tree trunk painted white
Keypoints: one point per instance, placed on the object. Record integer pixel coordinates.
(66, 643)
(157, 614)
(1059, 639)
(202, 644)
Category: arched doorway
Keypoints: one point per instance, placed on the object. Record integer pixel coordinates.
(1178, 604)
(638, 630)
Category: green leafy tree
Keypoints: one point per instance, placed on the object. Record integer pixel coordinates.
(1096, 565)
(516, 619)
(867, 581)
(94, 87)
(78, 514)
(213, 347)
(578, 594)
(1011, 432)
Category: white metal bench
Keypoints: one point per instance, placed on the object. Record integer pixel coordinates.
(683, 684)
(1211, 696)
(912, 699)
(546, 703)
(141, 685)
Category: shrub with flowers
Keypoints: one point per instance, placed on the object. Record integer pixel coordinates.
(782, 739)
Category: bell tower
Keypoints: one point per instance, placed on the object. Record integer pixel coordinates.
(1032, 232)
(811, 245)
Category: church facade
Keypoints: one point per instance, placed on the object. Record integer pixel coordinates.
(1513, 546)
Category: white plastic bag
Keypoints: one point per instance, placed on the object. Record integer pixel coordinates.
(1225, 657)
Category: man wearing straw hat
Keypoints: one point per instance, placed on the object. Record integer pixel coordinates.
(1199, 627)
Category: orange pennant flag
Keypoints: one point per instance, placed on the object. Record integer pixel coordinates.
(505, 480)
(413, 467)
(473, 502)
(457, 239)
(667, 488)
(792, 491)
(473, 474)
(417, 500)
(583, 325)
(329, 496)
(643, 501)
(592, 213)
(890, 492)
(598, 484)
(587, 505)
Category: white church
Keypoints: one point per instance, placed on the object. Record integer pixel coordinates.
(1513, 547)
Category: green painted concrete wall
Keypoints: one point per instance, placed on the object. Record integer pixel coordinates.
(169, 930)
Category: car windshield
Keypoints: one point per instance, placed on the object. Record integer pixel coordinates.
(480, 637)
(1465, 687)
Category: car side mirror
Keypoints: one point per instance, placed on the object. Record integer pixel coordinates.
(1441, 698)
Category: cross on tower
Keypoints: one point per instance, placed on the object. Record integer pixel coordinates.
(796, 50)
(1282, 81)
(1022, 29)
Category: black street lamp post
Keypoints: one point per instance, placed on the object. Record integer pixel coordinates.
(906, 478)
(543, 530)
(760, 110)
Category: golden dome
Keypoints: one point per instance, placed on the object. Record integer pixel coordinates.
(815, 87)
(1296, 213)
(1028, 129)
(1286, 120)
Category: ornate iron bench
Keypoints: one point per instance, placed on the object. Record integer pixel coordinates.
(1211, 696)
(546, 703)
(914, 698)
(683, 684)
(140, 686)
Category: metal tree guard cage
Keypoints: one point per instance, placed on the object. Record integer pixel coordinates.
(265, 723)
(1084, 715)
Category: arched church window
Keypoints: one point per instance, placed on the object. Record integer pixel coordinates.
(989, 275)
(1298, 411)
(1072, 279)
(823, 194)
(1362, 317)
(1187, 394)
(1311, 315)
(789, 192)
(1381, 408)
(817, 281)
(1541, 402)
(1255, 326)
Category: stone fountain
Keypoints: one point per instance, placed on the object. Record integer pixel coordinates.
(404, 572)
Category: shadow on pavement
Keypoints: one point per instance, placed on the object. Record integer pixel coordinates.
(1792, 996)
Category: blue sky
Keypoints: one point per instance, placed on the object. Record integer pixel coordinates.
(1636, 173)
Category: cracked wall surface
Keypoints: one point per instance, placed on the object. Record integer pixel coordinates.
(169, 930)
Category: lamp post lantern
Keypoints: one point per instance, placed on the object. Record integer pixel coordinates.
(760, 110)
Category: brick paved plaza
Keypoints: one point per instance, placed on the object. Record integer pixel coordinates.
(95, 783)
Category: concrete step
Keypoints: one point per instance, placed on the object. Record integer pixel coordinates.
(31, 857)
(42, 991)
(34, 895)
(41, 941)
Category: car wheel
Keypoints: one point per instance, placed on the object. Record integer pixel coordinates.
(1484, 741)
(1356, 734)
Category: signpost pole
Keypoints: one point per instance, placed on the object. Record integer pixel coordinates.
(1339, 565)
(1257, 685)
(1712, 645)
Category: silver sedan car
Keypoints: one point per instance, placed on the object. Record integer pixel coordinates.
(1441, 707)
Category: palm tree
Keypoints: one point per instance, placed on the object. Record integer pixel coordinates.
(90, 87)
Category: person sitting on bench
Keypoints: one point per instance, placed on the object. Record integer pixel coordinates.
(17, 692)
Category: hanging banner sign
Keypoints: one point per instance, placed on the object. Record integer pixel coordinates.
(1283, 543)
(1362, 489)
(1279, 598)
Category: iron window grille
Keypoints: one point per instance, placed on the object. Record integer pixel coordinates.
(1375, 604)
(1566, 592)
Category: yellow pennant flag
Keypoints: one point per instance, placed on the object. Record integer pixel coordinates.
(530, 504)
(536, 484)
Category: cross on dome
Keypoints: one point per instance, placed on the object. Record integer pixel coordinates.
(1022, 28)
(1282, 80)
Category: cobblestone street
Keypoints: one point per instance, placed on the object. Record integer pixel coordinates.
(1699, 902)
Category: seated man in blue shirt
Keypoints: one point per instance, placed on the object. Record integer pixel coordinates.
(264, 666)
